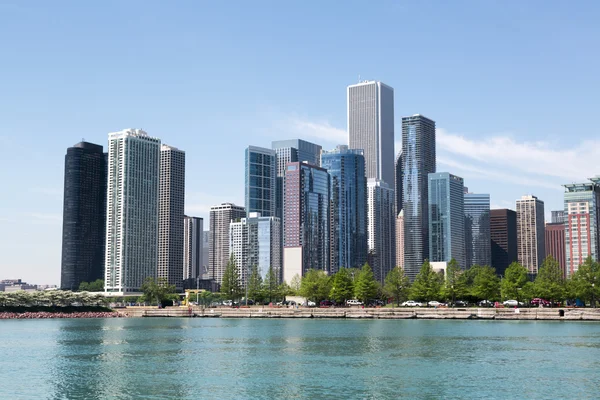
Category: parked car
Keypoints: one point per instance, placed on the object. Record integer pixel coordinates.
(354, 302)
(461, 303)
(327, 303)
(485, 303)
(512, 303)
(375, 303)
(228, 303)
(434, 303)
(411, 303)
(309, 303)
(537, 301)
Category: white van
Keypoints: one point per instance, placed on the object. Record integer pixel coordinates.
(353, 303)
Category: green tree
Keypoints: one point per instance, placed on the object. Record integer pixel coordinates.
(255, 285)
(486, 284)
(515, 278)
(550, 283)
(366, 287)
(427, 284)
(271, 286)
(342, 287)
(454, 285)
(315, 285)
(397, 285)
(586, 281)
(84, 287)
(231, 285)
(157, 290)
(295, 284)
(96, 286)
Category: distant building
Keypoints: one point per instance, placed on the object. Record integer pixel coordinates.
(418, 160)
(477, 230)
(84, 215)
(348, 197)
(132, 210)
(205, 271)
(503, 232)
(446, 218)
(558, 216)
(382, 228)
(371, 127)
(531, 246)
(220, 218)
(306, 219)
(171, 215)
(400, 239)
(555, 244)
(193, 248)
(398, 183)
(260, 174)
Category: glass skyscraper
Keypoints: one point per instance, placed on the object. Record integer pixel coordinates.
(477, 230)
(260, 174)
(418, 160)
(348, 243)
(382, 228)
(398, 183)
(446, 218)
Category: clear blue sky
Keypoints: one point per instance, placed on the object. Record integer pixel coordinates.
(512, 86)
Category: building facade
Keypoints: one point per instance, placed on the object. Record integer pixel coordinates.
(171, 214)
(446, 218)
(371, 127)
(132, 210)
(503, 232)
(205, 252)
(306, 220)
(531, 246)
(400, 239)
(348, 199)
(84, 215)
(260, 181)
(382, 228)
(555, 244)
(193, 247)
(582, 203)
(418, 161)
(398, 183)
(221, 216)
(558, 217)
(256, 241)
(478, 243)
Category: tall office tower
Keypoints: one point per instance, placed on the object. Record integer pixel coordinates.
(555, 244)
(503, 232)
(171, 206)
(478, 242)
(558, 217)
(398, 183)
(446, 218)
(400, 239)
(193, 247)
(204, 271)
(256, 241)
(371, 127)
(293, 150)
(260, 181)
(348, 239)
(306, 219)
(221, 217)
(382, 228)
(84, 215)
(418, 161)
(132, 210)
(530, 233)
(582, 213)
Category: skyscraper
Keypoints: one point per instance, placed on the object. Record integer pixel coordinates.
(218, 254)
(382, 228)
(306, 219)
(400, 239)
(205, 271)
(256, 241)
(371, 127)
(418, 161)
(260, 181)
(171, 213)
(582, 213)
(477, 230)
(558, 216)
(555, 244)
(348, 196)
(446, 218)
(132, 210)
(293, 150)
(193, 247)
(503, 231)
(398, 183)
(84, 215)
(530, 233)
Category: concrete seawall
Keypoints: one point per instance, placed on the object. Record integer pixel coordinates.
(559, 314)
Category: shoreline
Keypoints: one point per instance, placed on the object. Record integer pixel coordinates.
(57, 315)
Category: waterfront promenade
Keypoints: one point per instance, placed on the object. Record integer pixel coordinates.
(560, 314)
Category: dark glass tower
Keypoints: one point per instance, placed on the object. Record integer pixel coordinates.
(418, 160)
(348, 199)
(477, 229)
(84, 215)
(398, 183)
(503, 232)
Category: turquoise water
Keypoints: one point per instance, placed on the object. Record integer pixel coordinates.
(297, 359)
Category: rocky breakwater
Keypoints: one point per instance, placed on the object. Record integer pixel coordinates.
(47, 315)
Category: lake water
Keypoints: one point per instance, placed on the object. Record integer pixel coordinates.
(297, 359)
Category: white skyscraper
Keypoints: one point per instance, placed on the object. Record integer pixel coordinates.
(132, 210)
(531, 244)
(371, 127)
(381, 228)
(193, 247)
(221, 217)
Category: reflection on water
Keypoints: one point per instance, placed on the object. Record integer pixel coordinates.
(297, 359)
